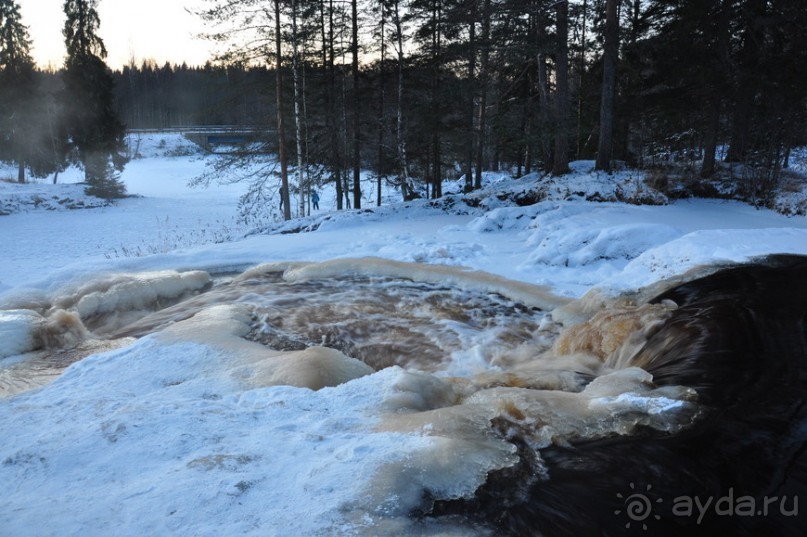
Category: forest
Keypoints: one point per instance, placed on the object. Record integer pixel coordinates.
(419, 91)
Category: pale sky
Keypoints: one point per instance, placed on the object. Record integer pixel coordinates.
(157, 29)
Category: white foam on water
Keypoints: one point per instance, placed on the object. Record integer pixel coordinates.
(473, 280)
(200, 416)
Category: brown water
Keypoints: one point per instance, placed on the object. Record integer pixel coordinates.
(380, 320)
(532, 421)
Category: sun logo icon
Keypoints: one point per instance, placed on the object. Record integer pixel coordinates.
(637, 506)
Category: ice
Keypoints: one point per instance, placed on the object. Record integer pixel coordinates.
(18, 331)
(127, 292)
(198, 431)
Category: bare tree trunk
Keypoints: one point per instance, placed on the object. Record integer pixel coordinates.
(610, 52)
(561, 161)
(582, 69)
(494, 127)
(710, 141)
(471, 99)
(525, 157)
(715, 92)
(739, 128)
(483, 93)
(343, 130)
(400, 139)
(21, 170)
(381, 98)
(334, 156)
(298, 130)
(356, 134)
(543, 109)
(436, 178)
(753, 11)
(544, 105)
(345, 135)
(306, 153)
(437, 168)
(281, 134)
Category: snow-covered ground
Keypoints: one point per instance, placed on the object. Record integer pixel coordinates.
(173, 434)
(565, 241)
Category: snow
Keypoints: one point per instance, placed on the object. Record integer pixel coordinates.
(15, 198)
(166, 445)
(163, 214)
(18, 329)
(195, 431)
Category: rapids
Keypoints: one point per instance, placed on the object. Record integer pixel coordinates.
(541, 413)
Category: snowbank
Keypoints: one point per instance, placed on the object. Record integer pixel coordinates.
(707, 247)
(149, 448)
(578, 247)
(157, 145)
(27, 197)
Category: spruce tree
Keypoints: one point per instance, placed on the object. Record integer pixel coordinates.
(96, 133)
(16, 88)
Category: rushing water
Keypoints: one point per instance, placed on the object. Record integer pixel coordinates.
(556, 411)
(380, 320)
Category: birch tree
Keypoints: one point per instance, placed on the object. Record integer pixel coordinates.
(298, 125)
(400, 135)
(281, 130)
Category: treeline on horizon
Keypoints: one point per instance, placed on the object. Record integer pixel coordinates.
(447, 88)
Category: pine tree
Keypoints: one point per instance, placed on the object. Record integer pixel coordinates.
(609, 59)
(96, 133)
(354, 50)
(484, 72)
(560, 163)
